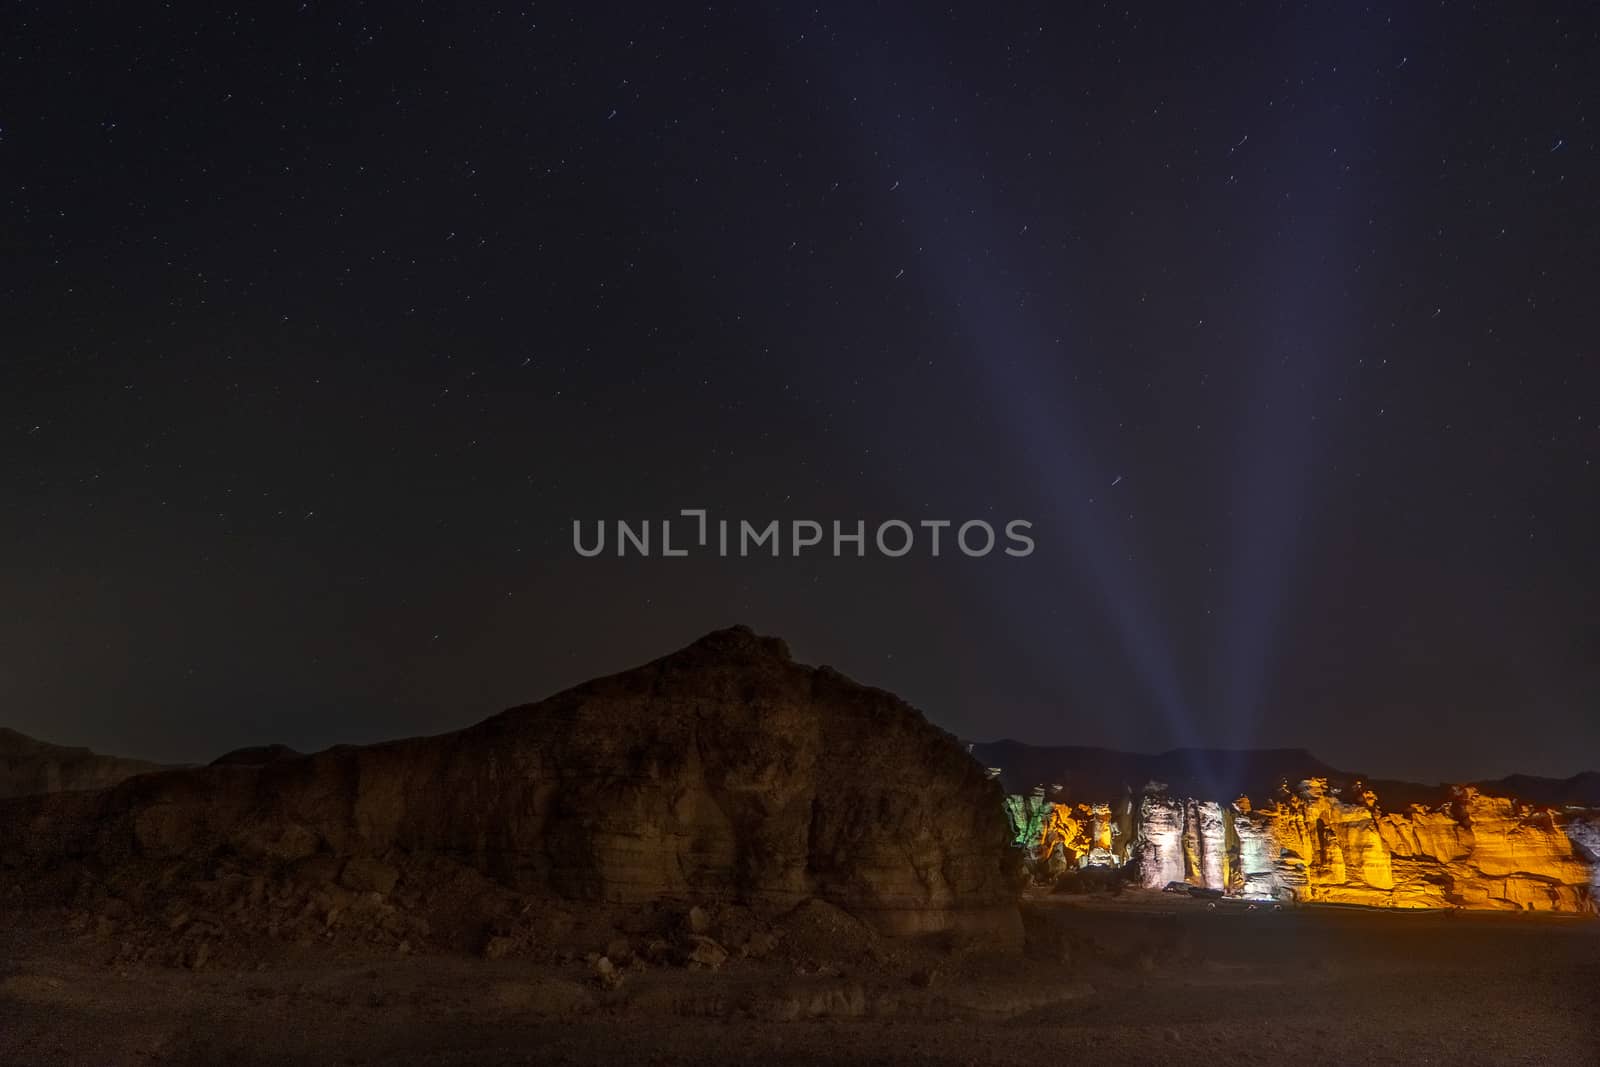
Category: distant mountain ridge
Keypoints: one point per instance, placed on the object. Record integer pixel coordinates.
(1581, 790)
(1099, 774)
(28, 766)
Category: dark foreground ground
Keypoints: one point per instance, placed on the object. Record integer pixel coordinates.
(1143, 979)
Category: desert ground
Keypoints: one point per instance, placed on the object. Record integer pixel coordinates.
(1137, 978)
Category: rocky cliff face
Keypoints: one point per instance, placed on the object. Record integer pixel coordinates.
(1312, 844)
(725, 770)
(28, 766)
(1475, 851)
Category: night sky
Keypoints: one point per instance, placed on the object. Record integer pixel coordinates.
(321, 323)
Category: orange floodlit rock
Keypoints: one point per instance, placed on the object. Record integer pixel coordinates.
(1477, 851)
(1311, 845)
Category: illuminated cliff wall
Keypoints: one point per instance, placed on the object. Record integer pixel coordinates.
(1061, 837)
(1474, 851)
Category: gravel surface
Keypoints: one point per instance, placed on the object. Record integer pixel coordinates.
(1139, 980)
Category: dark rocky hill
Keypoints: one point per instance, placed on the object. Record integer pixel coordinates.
(723, 771)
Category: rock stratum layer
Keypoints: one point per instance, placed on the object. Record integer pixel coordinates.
(722, 771)
(28, 766)
(1311, 844)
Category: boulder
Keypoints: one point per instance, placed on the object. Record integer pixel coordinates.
(606, 974)
(704, 954)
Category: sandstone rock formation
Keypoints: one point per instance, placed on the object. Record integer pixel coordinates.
(1474, 851)
(1231, 821)
(28, 766)
(1067, 836)
(722, 771)
(1313, 845)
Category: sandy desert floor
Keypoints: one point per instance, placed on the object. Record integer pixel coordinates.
(1138, 979)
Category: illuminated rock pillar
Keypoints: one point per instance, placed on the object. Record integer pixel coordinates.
(1585, 837)
(1161, 826)
(1211, 836)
